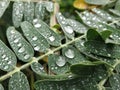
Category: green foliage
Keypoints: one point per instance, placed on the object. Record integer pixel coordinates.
(73, 54)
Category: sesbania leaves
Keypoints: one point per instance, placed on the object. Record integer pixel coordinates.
(38, 42)
(52, 37)
(98, 2)
(1, 87)
(17, 14)
(49, 6)
(58, 64)
(3, 6)
(19, 81)
(103, 14)
(77, 26)
(38, 68)
(29, 11)
(7, 58)
(21, 47)
(117, 5)
(102, 49)
(67, 29)
(115, 81)
(40, 10)
(73, 84)
(84, 66)
(91, 19)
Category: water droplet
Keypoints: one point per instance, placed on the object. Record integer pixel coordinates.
(9, 62)
(109, 55)
(37, 48)
(22, 49)
(16, 40)
(52, 38)
(56, 67)
(37, 25)
(26, 56)
(34, 38)
(19, 45)
(3, 56)
(6, 67)
(61, 61)
(70, 53)
(12, 31)
(6, 58)
(69, 29)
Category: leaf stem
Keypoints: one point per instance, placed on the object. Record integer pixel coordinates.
(17, 69)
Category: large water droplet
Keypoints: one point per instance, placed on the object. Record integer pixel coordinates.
(69, 29)
(52, 38)
(61, 61)
(70, 53)
(37, 25)
(22, 49)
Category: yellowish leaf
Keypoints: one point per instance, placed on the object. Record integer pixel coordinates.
(81, 4)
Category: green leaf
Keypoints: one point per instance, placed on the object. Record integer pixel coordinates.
(93, 35)
(98, 2)
(29, 11)
(58, 64)
(7, 58)
(40, 10)
(74, 84)
(115, 81)
(77, 26)
(21, 47)
(93, 57)
(34, 37)
(115, 33)
(84, 68)
(3, 6)
(102, 49)
(38, 68)
(73, 56)
(116, 12)
(105, 34)
(91, 19)
(67, 29)
(1, 87)
(117, 5)
(17, 14)
(103, 14)
(19, 81)
(49, 6)
(52, 37)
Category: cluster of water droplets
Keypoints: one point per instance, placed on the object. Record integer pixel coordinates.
(16, 41)
(103, 14)
(91, 19)
(37, 24)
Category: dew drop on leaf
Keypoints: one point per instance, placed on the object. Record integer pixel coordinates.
(70, 53)
(22, 49)
(52, 38)
(61, 61)
(69, 29)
